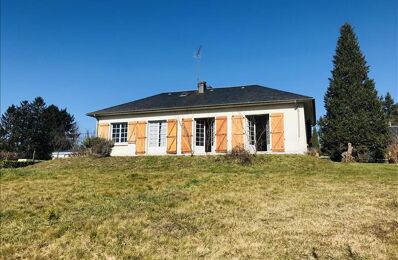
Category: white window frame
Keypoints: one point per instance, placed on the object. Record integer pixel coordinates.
(249, 146)
(202, 149)
(121, 134)
(252, 147)
(203, 130)
(160, 138)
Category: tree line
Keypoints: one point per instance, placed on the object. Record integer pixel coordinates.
(33, 129)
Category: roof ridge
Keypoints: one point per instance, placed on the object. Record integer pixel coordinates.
(214, 88)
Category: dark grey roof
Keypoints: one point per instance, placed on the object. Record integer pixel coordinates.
(213, 97)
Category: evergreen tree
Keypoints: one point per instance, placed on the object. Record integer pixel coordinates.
(394, 115)
(39, 140)
(314, 138)
(34, 128)
(388, 106)
(354, 112)
(61, 128)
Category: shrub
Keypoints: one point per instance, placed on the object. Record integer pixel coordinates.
(96, 146)
(363, 154)
(313, 151)
(240, 156)
(8, 155)
(14, 163)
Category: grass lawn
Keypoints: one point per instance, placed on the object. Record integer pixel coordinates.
(182, 207)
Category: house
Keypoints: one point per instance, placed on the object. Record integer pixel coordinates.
(209, 121)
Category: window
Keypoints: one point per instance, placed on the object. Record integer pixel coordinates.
(252, 132)
(157, 133)
(200, 133)
(211, 132)
(204, 134)
(257, 128)
(119, 132)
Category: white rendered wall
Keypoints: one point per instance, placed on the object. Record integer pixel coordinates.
(294, 123)
(123, 150)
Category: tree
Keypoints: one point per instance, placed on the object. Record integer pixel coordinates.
(314, 138)
(34, 128)
(38, 138)
(61, 128)
(388, 106)
(394, 115)
(354, 113)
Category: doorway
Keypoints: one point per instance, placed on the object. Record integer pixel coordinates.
(204, 135)
(258, 134)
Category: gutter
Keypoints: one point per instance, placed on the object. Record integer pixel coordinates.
(175, 109)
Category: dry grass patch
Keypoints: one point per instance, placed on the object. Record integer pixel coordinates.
(181, 207)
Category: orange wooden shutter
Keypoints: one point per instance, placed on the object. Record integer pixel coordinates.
(238, 132)
(103, 130)
(186, 135)
(132, 131)
(172, 136)
(221, 134)
(140, 137)
(277, 132)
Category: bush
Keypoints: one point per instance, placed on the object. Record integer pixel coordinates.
(14, 163)
(97, 147)
(365, 155)
(8, 155)
(313, 151)
(240, 156)
(392, 151)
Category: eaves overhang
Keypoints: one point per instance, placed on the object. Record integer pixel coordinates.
(202, 107)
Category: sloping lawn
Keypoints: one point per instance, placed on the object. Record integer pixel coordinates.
(182, 207)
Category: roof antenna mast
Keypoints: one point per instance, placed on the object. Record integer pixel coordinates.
(197, 56)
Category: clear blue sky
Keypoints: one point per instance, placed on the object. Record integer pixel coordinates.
(86, 55)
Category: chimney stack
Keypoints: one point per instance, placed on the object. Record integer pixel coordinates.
(202, 87)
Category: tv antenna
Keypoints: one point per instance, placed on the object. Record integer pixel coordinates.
(197, 56)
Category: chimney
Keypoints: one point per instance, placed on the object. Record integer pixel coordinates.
(202, 87)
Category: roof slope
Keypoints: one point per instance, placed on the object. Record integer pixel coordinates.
(239, 95)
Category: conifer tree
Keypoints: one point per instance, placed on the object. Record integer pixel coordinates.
(35, 128)
(354, 113)
(394, 115)
(314, 138)
(388, 106)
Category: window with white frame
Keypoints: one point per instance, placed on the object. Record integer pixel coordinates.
(157, 134)
(200, 133)
(252, 131)
(211, 132)
(119, 132)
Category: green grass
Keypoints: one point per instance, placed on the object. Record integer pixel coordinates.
(182, 207)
